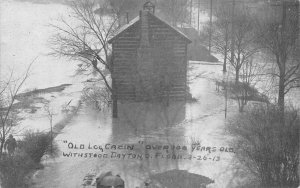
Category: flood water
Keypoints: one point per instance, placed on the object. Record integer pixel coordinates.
(146, 126)
(24, 36)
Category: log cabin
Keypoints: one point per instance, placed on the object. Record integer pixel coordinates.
(149, 59)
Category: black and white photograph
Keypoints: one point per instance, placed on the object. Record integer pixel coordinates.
(149, 94)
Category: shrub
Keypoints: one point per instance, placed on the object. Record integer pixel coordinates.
(268, 146)
(96, 97)
(243, 92)
(14, 170)
(36, 145)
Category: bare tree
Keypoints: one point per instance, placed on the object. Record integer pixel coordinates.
(8, 114)
(87, 41)
(242, 92)
(50, 112)
(252, 74)
(279, 39)
(243, 44)
(244, 48)
(220, 31)
(244, 40)
(175, 11)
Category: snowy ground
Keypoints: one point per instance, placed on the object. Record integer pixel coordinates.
(39, 121)
(24, 38)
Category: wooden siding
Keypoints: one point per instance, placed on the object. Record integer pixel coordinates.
(169, 60)
(124, 58)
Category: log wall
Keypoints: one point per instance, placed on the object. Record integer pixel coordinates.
(169, 53)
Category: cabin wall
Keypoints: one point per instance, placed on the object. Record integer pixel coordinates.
(169, 53)
(125, 61)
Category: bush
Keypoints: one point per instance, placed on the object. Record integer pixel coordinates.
(243, 92)
(36, 145)
(97, 97)
(268, 146)
(14, 170)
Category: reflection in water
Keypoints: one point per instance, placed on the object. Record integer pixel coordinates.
(141, 119)
(148, 124)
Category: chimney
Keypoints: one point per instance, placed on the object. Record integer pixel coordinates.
(144, 42)
(144, 80)
(148, 8)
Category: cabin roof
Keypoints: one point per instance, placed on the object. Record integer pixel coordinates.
(136, 19)
(124, 28)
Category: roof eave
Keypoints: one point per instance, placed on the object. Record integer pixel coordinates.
(173, 28)
(135, 20)
(124, 28)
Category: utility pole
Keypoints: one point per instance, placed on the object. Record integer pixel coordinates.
(226, 44)
(173, 13)
(198, 16)
(210, 26)
(283, 18)
(232, 57)
(225, 76)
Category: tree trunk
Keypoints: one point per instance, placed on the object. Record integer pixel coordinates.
(114, 106)
(240, 103)
(237, 75)
(281, 62)
(232, 33)
(2, 143)
(226, 48)
(224, 64)
(1, 147)
(281, 92)
(210, 26)
(51, 136)
(119, 20)
(114, 96)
